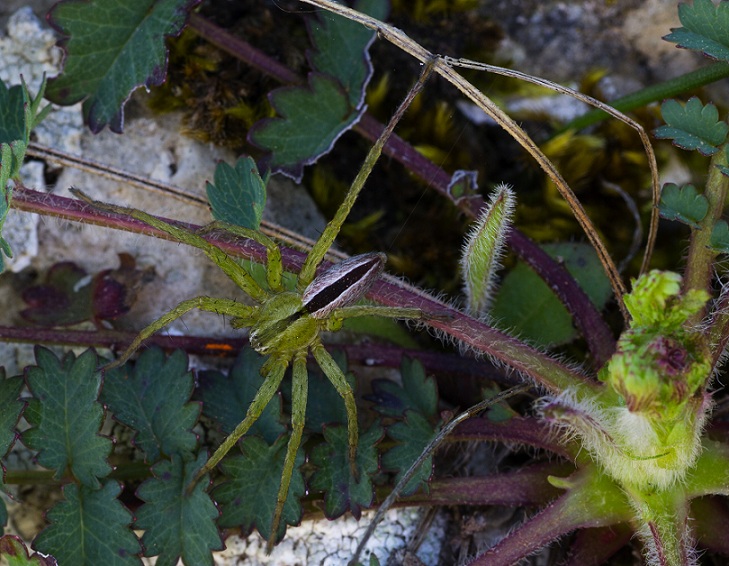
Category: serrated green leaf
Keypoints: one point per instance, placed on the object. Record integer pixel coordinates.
(706, 28)
(413, 434)
(418, 392)
(693, 126)
(112, 47)
(226, 398)
(720, 237)
(248, 498)
(154, 401)
(66, 416)
(178, 524)
(312, 119)
(90, 527)
(14, 553)
(683, 204)
(334, 475)
(528, 308)
(340, 48)
(12, 407)
(239, 194)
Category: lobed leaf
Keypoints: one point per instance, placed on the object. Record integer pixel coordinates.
(693, 126)
(13, 552)
(66, 416)
(12, 408)
(342, 492)
(340, 48)
(311, 119)
(248, 498)
(152, 399)
(239, 194)
(683, 204)
(90, 527)
(226, 399)
(111, 48)
(706, 28)
(413, 434)
(418, 392)
(314, 116)
(178, 524)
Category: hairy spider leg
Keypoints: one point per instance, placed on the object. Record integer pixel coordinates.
(273, 372)
(203, 303)
(229, 266)
(299, 396)
(274, 264)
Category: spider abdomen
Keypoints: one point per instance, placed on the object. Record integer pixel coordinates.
(342, 284)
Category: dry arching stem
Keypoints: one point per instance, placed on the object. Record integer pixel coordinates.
(444, 67)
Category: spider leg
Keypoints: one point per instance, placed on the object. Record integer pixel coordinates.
(273, 371)
(219, 306)
(336, 376)
(274, 270)
(299, 390)
(229, 266)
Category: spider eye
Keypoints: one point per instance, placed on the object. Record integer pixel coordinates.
(342, 284)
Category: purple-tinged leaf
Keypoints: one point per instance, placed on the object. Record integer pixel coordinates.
(13, 552)
(112, 47)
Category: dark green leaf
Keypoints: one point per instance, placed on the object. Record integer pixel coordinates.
(112, 47)
(312, 119)
(12, 407)
(14, 553)
(413, 435)
(526, 306)
(720, 237)
(706, 28)
(683, 204)
(66, 416)
(693, 126)
(340, 48)
(12, 114)
(238, 195)
(153, 401)
(226, 399)
(178, 524)
(90, 527)
(248, 498)
(334, 474)
(418, 392)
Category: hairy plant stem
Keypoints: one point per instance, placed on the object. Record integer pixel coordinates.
(700, 263)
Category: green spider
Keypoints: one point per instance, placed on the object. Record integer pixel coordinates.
(286, 325)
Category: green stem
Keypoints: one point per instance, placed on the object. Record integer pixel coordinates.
(664, 530)
(701, 256)
(661, 91)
